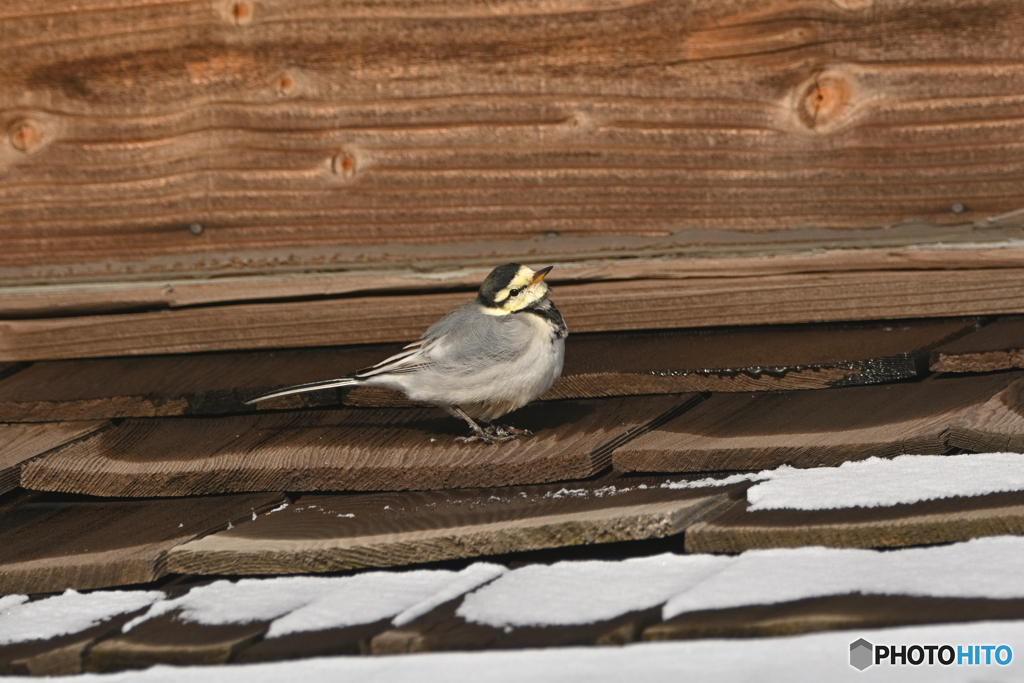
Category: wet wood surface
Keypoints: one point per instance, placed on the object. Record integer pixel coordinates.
(587, 307)
(811, 429)
(605, 364)
(54, 542)
(343, 449)
(945, 520)
(996, 346)
(335, 532)
(22, 442)
(838, 612)
(241, 137)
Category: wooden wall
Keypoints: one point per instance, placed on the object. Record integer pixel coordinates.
(164, 154)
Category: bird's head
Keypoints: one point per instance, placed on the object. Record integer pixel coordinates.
(512, 287)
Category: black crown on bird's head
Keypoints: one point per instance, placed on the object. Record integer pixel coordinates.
(498, 280)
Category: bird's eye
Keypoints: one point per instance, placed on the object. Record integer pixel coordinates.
(515, 292)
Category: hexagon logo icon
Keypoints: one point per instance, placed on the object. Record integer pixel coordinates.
(861, 654)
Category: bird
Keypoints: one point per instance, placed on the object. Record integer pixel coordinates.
(479, 362)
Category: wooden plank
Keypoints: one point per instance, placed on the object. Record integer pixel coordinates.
(832, 613)
(346, 449)
(22, 442)
(689, 254)
(167, 640)
(156, 386)
(331, 532)
(945, 520)
(657, 363)
(58, 656)
(810, 428)
(749, 115)
(996, 346)
(351, 640)
(56, 542)
(996, 425)
(599, 306)
(748, 359)
(442, 630)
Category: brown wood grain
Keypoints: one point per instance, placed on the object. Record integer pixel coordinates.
(58, 656)
(343, 449)
(442, 629)
(944, 520)
(22, 442)
(330, 533)
(810, 428)
(302, 134)
(599, 306)
(168, 640)
(53, 542)
(908, 245)
(596, 365)
(996, 346)
(839, 612)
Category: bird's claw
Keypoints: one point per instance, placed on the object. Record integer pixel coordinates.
(494, 434)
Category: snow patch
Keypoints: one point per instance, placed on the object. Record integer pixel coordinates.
(883, 482)
(468, 579)
(69, 612)
(983, 567)
(366, 598)
(568, 593)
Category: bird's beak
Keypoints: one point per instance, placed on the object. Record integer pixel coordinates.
(539, 275)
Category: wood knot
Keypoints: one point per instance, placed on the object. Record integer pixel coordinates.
(285, 84)
(25, 135)
(823, 100)
(241, 12)
(344, 165)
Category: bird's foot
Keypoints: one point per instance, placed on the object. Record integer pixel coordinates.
(508, 430)
(494, 434)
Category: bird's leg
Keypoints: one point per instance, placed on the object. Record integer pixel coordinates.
(489, 435)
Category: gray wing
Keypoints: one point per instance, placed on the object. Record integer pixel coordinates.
(467, 339)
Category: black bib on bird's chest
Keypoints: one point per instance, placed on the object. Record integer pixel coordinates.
(546, 310)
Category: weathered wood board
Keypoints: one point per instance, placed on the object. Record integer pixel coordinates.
(350, 640)
(21, 442)
(167, 640)
(588, 307)
(53, 542)
(608, 364)
(343, 449)
(996, 346)
(944, 520)
(304, 135)
(336, 532)
(155, 386)
(748, 359)
(59, 656)
(814, 428)
(442, 630)
(832, 613)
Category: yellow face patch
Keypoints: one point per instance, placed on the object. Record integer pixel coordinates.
(521, 292)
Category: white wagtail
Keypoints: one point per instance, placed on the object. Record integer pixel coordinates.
(484, 359)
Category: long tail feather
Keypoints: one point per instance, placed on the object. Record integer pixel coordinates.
(303, 388)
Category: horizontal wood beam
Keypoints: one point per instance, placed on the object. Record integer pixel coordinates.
(587, 307)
